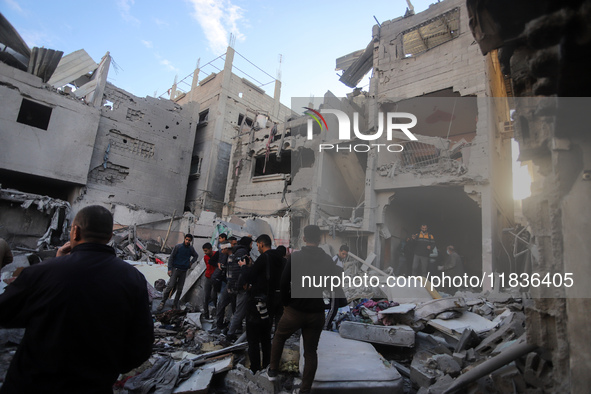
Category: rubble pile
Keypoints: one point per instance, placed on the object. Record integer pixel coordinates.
(129, 246)
(473, 342)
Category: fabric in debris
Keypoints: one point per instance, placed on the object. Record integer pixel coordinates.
(164, 375)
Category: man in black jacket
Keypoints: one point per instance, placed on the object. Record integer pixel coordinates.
(262, 282)
(236, 281)
(307, 311)
(231, 293)
(86, 315)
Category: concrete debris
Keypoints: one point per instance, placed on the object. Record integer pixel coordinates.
(388, 335)
(431, 309)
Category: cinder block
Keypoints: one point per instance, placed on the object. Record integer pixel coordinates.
(388, 335)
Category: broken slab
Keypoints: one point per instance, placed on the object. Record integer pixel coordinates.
(388, 335)
(338, 357)
(413, 292)
(420, 372)
(400, 309)
(152, 272)
(193, 276)
(242, 380)
(468, 340)
(431, 309)
(455, 327)
(511, 329)
(197, 383)
(221, 365)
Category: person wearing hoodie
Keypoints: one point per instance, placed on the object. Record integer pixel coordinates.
(233, 293)
(304, 306)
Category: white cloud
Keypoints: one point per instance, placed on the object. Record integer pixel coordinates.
(160, 22)
(125, 11)
(147, 44)
(14, 5)
(169, 66)
(218, 19)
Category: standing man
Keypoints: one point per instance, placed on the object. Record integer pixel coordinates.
(68, 306)
(178, 264)
(236, 268)
(211, 263)
(341, 257)
(424, 243)
(307, 313)
(262, 282)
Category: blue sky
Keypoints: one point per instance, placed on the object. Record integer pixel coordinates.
(152, 41)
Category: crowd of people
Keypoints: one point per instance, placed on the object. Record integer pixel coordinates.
(68, 304)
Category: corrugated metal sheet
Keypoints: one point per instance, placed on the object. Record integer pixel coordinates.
(71, 67)
(43, 62)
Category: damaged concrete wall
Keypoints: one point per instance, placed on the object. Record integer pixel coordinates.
(44, 132)
(456, 63)
(229, 101)
(551, 58)
(141, 160)
(466, 150)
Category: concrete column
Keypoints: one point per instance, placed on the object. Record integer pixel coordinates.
(195, 82)
(488, 220)
(173, 89)
(220, 122)
(277, 96)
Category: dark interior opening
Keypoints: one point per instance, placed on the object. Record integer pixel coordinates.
(34, 114)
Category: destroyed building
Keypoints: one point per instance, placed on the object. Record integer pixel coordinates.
(70, 135)
(456, 177)
(229, 105)
(544, 49)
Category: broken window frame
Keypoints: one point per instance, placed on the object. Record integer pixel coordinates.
(259, 162)
(195, 169)
(450, 19)
(203, 118)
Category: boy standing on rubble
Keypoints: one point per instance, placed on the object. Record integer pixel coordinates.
(178, 264)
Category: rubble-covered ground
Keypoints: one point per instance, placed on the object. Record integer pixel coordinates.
(434, 343)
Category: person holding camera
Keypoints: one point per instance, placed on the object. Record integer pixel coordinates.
(239, 257)
(262, 283)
